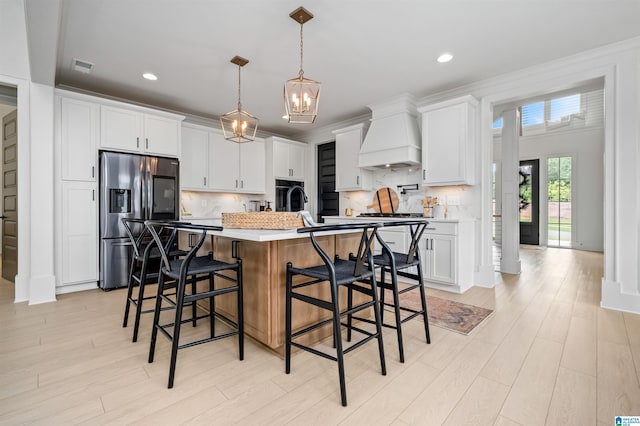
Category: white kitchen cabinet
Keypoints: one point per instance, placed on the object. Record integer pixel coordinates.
(253, 167)
(349, 177)
(79, 132)
(79, 232)
(447, 256)
(449, 137)
(288, 159)
(129, 130)
(194, 158)
(236, 167)
(211, 163)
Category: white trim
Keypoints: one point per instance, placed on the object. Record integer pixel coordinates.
(72, 288)
(23, 278)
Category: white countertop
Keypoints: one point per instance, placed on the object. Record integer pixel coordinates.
(389, 218)
(263, 235)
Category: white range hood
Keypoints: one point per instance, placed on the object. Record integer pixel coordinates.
(393, 138)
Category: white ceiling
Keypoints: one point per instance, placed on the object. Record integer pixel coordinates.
(363, 51)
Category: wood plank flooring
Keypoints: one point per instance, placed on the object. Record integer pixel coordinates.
(547, 355)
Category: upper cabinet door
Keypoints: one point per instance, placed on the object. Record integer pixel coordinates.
(281, 167)
(194, 158)
(252, 167)
(120, 129)
(288, 160)
(224, 163)
(79, 130)
(161, 135)
(448, 142)
(349, 177)
(297, 161)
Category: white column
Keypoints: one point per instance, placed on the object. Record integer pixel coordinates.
(510, 261)
(42, 285)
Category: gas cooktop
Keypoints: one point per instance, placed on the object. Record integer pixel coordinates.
(390, 215)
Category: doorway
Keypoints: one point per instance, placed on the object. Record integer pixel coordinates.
(8, 185)
(529, 174)
(328, 198)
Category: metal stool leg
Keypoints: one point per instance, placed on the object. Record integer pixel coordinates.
(338, 343)
(240, 319)
(287, 332)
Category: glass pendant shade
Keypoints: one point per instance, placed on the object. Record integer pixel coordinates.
(301, 100)
(238, 125)
(301, 95)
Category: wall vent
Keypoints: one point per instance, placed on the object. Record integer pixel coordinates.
(82, 66)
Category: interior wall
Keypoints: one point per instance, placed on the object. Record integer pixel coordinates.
(587, 148)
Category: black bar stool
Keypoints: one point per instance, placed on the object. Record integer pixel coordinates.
(397, 264)
(144, 269)
(177, 273)
(356, 274)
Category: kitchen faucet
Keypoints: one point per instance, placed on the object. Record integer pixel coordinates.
(290, 191)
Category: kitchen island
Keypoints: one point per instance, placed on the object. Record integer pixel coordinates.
(265, 254)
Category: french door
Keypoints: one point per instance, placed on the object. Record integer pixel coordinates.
(529, 202)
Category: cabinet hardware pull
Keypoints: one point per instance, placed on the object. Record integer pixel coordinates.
(430, 229)
(93, 171)
(357, 180)
(424, 174)
(205, 181)
(241, 183)
(93, 195)
(137, 142)
(236, 183)
(147, 143)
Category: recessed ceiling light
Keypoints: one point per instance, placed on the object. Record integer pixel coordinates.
(445, 57)
(150, 76)
(387, 165)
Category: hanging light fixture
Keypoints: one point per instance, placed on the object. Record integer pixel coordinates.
(239, 126)
(301, 95)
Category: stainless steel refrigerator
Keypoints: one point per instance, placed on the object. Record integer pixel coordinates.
(131, 186)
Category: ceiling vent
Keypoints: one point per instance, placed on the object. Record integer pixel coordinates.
(82, 66)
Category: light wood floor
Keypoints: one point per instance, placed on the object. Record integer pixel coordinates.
(547, 355)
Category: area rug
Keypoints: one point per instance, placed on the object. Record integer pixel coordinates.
(454, 316)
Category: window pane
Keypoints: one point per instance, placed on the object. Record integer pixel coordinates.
(564, 107)
(525, 193)
(497, 124)
(559, 201)
(533, 114)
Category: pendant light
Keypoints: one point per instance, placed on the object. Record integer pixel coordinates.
(301, 95)
(239, 126)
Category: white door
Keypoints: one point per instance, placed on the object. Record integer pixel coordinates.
(281, 167)
(79, 232)
(296, 161)
(120, 129)
(441, 254)
(161, 135)
(347, 150)
(79, 137)
(224, 164)
(194, 159)
(252, 167)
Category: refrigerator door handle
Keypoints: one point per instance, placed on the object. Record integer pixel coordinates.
(128, 243)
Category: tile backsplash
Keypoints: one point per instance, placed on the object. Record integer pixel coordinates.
(457, 198)
(212, 204)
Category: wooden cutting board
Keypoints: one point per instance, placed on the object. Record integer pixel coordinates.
(385, 200)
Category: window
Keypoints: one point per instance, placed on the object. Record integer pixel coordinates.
(559, 201)
(568, 112)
